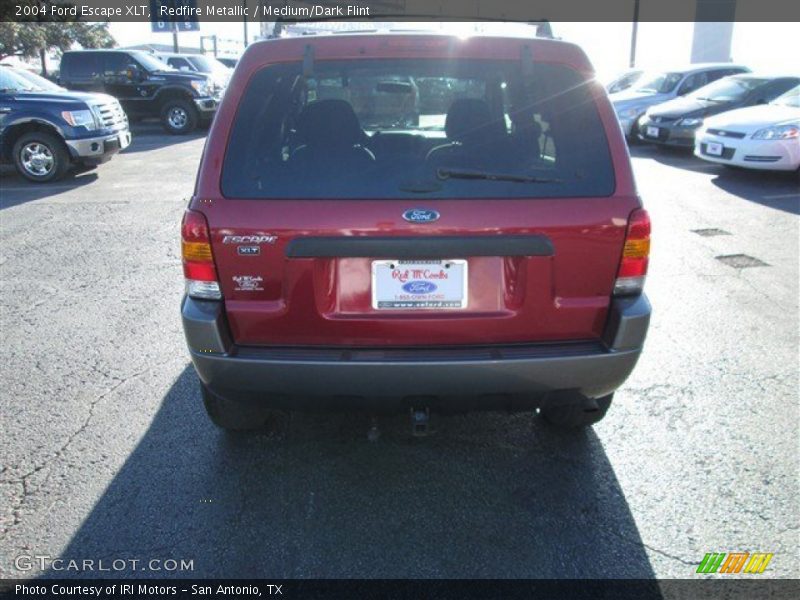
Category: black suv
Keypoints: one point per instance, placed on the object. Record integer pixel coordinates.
(144, 85)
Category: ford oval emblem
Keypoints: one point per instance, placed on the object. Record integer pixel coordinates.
(421, 215)
(419, 287)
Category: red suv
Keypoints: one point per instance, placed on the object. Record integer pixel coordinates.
(487, 251)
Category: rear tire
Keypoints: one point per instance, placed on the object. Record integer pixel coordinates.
(231, 415)
(41, 157)
(573, 416)
(179, 117)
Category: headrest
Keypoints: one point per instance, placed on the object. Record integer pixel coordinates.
(331, 122)
(468, 118)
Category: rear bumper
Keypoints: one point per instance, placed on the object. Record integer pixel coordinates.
(463, 378)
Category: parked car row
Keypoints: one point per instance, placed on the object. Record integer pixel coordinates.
(82, 120)
(655, 88)
(724, 112)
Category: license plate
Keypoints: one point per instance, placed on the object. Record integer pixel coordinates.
(419, 284)
(124, 140)
(652, 131)
(714, 148)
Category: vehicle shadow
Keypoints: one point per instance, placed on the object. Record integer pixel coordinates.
(778, 190)
(487, 496)
(15, 189)
(681, 158)
(150, 135)
(775, 189)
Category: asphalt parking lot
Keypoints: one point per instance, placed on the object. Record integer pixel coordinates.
(106, 452)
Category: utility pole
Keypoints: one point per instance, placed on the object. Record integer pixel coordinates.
(175, 47)
(634, 32)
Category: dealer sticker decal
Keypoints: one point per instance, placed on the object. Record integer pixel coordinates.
(248, 283)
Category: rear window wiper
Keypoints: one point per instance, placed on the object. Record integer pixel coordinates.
(490, 176)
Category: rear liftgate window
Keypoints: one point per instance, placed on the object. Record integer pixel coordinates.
(417, 129)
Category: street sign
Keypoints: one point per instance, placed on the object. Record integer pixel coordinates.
(184, 20)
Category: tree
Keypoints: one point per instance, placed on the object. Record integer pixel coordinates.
(32, 38)
(20, 39)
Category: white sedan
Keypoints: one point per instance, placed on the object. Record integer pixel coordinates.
(758, 137)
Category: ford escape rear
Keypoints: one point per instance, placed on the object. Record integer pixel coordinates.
(386, 222)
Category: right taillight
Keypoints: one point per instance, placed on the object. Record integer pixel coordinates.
(635, 255)
(198, 260)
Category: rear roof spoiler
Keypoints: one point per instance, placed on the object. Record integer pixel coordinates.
(543, 28)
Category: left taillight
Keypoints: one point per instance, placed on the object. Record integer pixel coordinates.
(635, 255)
(198, 259)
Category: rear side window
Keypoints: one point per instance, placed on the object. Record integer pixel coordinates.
(417, 129)
(777, 88)
(693, 82)
(719, 74)
(178, 63)
(80, 65)
(115, 64)
(730, 89)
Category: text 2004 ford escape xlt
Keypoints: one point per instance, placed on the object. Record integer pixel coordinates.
(383, 222)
